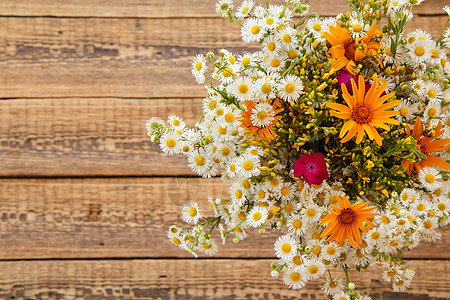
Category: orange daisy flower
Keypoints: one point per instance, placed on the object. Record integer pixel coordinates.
(426, 145)
(346, 220)
(365, 111)
(346, 51)
(261, 121)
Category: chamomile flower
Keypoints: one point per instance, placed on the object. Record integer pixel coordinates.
(447, 9)
(257, 216)
(419, 51)
(285, 247)
(225, 151)
(286, 193)
(430, 178)
(287, 39)
(242, 88)
(209, 248)
(419, 86)
(295, 225)
(176, 122)
(223, 6)
(170, 143)
(433, 91)
(314, 268)
(271, 45)
(270, 22)
(442, 206)
(341, 296)
(198, 161)
(191, 212)
(246, 60)
(265, 88)
(316, 27)
(226, 75)
(252, 30)
(237, 194)
(244, 9)
(375, 236)
(331, 251)
(262, 115)
(199, 65)
(290, 88)
(333, 286)
(392, 274)
(432, 110)
(274, 63)
(359, 28)
(154, 123)
(295, 278)
(401, 285)
(311, 213)
(246, 165)
(406, 111)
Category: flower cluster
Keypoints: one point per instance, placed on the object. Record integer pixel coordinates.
(335, 133)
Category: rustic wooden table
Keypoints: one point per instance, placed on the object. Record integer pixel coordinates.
(85, 198)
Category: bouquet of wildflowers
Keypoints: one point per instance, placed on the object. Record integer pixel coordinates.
(335, 133)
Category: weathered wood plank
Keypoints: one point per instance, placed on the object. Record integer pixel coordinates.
(120, 217)
(163, 8)
(72, 57)
(88, 137)
(193, 279)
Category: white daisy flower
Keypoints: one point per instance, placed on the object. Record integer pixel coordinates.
(316, 27)
(358, 28)
(248, 59)
(275, 184)
(430, 178)
(257, 216)
(290, 88)
(287, 38)
(265, 88)
(334, 286)
(314, 268)
(191, 212)
(244, 9)
(341, 296)
(401, 285)
(419, 51)
(262, 115)
(432, 110)
(419, 86)
(331, 251)
(295, 225)
(237, 194)
(226, 75)
(176, 122)
(242, 88)
(442, 206)
(198, 162)
(274, 63)
(225, 151)
(222, 6)
(429, 225)
(392, 274)
(271, 45)
(433, 91)
(295, 278)
(199, 65)
(170, 143)
(154, 123)
(270, 22)
(285, 247)
(447, 9)
(375, 236)
(311, 213)
(252, 30)
(246, 164)
(406, 110)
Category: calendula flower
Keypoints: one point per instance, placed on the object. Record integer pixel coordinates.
(427, 145)
(346, 220)
(365, 111)
(346, 51)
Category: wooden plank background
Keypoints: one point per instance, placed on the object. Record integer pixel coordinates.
(85, 198)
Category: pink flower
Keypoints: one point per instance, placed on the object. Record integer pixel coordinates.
(312, 167)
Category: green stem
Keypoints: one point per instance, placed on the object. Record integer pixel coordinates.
(442, 32)
(345, 268)
(284, 9)
(329, 273)
(294, 63)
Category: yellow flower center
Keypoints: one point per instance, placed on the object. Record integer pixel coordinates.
(222, 130)
(332, 285)
(275, 62)
(297, 224)
(206, 247)
(198, 65)
(385, 220)
(290, 88)
(231, 60)
(288, 208)
(429, 178)
(246, 184)
(266, 88)
(333, 199)
(270, 21)
(331, 251)
(287, 38)
(419, 51)
(238, 194)
(297, 260)
(271, 46)
(212, 104)
(255, 29)
(295, 277)
(261, 194)
(232, 167)
(229, 117)
(442, 206)
(427, 224)
(311, 212)
(245, 61)
(285, 248)
(431, 94)
(171, 143)
(434, 53)
(357, 28)
(313, 269)
(248, 165)
(411, 40)
(375, 235)
(403, 111)
(317, 250)
(257, 216)
(361, 115)
(227, 72)
(292, 54)
(285, 191)
(176, 241)
(243, 89)
(317, 27)
(421, 207)
(224, 6)
(274, 182)
(241, 215)
(192, 212)
(432, 112)
(226, 151)
(245, 10)
(316, 236)
(200, 160)
(238, 229)
(262, 115)
(185, 148)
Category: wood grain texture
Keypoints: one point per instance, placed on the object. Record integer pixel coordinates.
(163, 8)
(121, 217)
(73, 57)
(88, 137)
(193, 279)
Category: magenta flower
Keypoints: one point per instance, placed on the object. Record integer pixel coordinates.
(312, 167)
